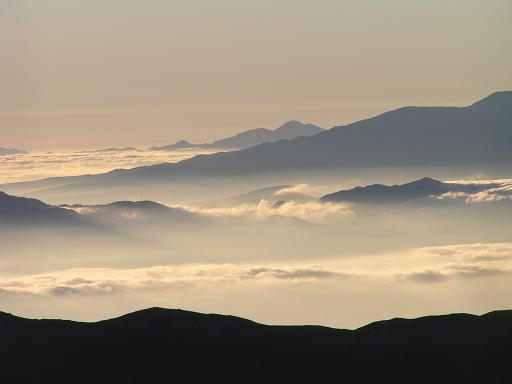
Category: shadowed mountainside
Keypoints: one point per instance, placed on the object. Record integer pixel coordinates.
(136, 210)
(161, 345)
(287, 131)
(415, 136)
(22, 210)
(378, 193)
(418, 189)
(270, 194)
(477, 135)
(25, 211)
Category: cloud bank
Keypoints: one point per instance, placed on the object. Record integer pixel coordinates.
(312, 211)
(483, 191)
(419, 265)
(31, 166)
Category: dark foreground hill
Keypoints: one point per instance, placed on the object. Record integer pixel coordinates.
(160, 345)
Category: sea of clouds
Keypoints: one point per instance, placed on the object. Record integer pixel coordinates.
(38, 165)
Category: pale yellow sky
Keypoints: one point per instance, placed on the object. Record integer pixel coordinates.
(83, 74)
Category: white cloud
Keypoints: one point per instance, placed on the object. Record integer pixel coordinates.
(101, 281)
(488, 191)
(32, 166)
(302, 189)
(312, 211)
(419, 265)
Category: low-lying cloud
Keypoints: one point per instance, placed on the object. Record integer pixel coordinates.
(30, 166)
(101, 281)
(302, 189)
(420, 265)
(311, 211)
(479, 191)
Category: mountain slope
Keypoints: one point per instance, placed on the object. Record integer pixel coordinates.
(158, 345)
(378, 193)
(140, 210)
(287, 131)
(22, 210)
(477, 135)
(418, 189)
(480, 133)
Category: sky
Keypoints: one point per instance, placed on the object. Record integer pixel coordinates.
(80, 74)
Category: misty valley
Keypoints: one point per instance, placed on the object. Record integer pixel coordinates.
(286, 245)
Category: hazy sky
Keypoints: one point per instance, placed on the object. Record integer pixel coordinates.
(77, 74)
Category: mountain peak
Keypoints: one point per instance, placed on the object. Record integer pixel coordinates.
(499, 99)
(291, 123)
(427, 180)
(293, 128)
(378, 193)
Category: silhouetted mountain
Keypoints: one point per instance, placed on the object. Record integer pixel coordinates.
(289, 130)
(477, 135)
(11, 151)
(158, 345)
(378, 193)
(182, 144)
(412, 136)
(135, 210)
(270, 194)
(111, 149)
(419, 189)
(22, 210)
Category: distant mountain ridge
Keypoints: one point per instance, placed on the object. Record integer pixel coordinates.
(162, 345)
(111, 149)
(136, 209)
(22, 210)
(418, 189)
(289, 130)
(378, 193)
(11, 151)
(472, 136)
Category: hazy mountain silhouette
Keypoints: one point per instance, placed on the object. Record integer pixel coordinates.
(136, 210)
(413, 136)
(160, 345)
(418, 189)
(16, 210)
(11, 151)
(476, 135)
(111, 149)
(252, 137)
(269, 194)
(378, 193)
(22, 210)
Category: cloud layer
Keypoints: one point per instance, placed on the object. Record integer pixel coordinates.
(483, 191)
(420, 265)
(23, 167)
(312, 211)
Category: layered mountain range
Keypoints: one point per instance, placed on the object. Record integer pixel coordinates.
(472, 136)
(289, 130)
